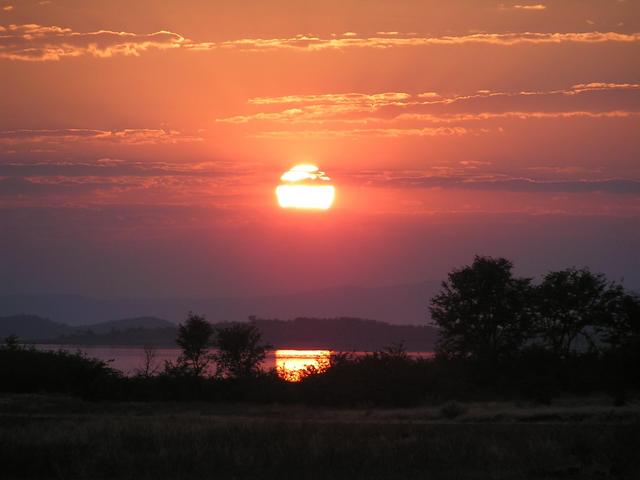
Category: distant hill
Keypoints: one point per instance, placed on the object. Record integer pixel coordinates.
(345, 334)
(301, 333)
(396, 304)
(32, 327)
(145, 323)
(159, 337)
(35, 328)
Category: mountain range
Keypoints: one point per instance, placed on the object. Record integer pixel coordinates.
(35, 328)
(397, 304)
(301, 333)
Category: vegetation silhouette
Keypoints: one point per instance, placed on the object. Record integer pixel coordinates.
(149, 365)
(240, 350)
(501, 337)
(24, 369)
(483, 311)
(194, 338)
(572, 304)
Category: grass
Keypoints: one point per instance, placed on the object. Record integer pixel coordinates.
(59, 437)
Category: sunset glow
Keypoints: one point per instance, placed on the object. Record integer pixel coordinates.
(305, 187)
(333, 239)
(185, 151)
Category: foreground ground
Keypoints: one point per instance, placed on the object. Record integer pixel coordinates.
(59, 437)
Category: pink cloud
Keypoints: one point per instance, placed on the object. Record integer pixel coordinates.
(125, 136)
(33, 42)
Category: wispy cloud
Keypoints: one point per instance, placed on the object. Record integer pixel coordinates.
(385, 98)
(534, 7)
(599, 86)
(498, 182)
(311, 42)
(365, 108)
(310, 107)
(33, 42)
(125, 136)
(367, 132)
(108, 181)
(470, 117)
(108, 167)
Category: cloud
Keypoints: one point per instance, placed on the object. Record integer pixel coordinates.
(469, 117)
(536, 7)
(310, 107)
(107, 167)
(503, 183)
(366, 109)
(431, 98)
(315, 116)
(25, 187)
(315, 43)
(367, 132)
(33, 42)
(600, 86)
(385, 98)
(131, 182)
(125, 136)
(7, 8)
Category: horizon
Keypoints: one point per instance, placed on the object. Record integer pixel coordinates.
(402, 304)
(140, 153)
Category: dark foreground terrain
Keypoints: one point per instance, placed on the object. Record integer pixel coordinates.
(60, 437)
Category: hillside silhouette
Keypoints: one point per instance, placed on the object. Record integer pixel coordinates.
(36, 328)
(395, 304)
(300, 333)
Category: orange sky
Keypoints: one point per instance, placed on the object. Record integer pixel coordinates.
(140, 142)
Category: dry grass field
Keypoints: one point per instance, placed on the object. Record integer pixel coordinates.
(59, 437)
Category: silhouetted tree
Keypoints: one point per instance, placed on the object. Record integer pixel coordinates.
(482, 311)
(194, 338)
(620, 329)
(149, 366)
(239, 350)
(570, 304)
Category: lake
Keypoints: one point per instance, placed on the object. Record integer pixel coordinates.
(130, 359)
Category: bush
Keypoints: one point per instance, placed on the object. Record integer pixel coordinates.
(27, 370)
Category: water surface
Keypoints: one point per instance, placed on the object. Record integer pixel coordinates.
(131, 359)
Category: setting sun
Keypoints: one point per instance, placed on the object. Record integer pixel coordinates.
(305, 187)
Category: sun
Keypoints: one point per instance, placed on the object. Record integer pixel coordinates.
(305, 187)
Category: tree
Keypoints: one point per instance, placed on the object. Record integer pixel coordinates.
(194, 338)
(149, 366)
(621, 328)
(569, 305)
(240, 350)
(482, 311)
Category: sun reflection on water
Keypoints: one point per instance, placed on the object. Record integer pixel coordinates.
(292, 365)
